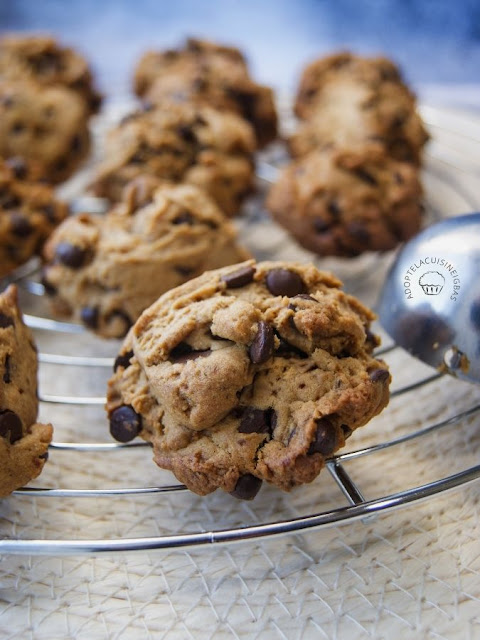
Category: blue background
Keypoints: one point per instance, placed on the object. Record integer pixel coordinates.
(433, 41)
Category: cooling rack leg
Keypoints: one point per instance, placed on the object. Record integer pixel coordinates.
(348, 486)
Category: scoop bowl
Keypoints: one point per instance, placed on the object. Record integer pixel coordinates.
(430, 301)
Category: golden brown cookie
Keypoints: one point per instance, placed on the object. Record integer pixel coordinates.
(23, 442)
(182, 143)
(105, 270)
(44, 126)
(41, 59)
(350, 115)
(28, 214)
(344, 203)
(248, 373)
(207, 73)
(319, 76)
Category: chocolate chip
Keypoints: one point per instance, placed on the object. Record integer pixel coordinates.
(247, 487)
(185, 217)
(89, 316)
(358, 231)
(186, 133)
(125, 423)
(70, 255)
(10, 426)
(371, 338)
(18, 167)
(283, 282)
(122, 360)
(325, 440)
(44, 456)
(76, 143)
(6, 375)
(262, 346)
(334, 208)
(257, 420)
(20, 225)
(6, 321)
(184, 352)
(364, 175)
(50, 213)
(320, 225)
(17, 127)
(8, 200)
(379, 375)
(239, 278)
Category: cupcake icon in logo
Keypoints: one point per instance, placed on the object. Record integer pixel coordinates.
(432, 283)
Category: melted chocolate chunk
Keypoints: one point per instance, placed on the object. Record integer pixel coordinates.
(6, 321)
(262, 346)
(379, 375)
(325, 440)
(10, 426)
(125, 423)
(6, 374)
(89, 316)
(247, 487)
(70, 255)
(239, 278)
(123, 360)
(257, 420)
(20, 225)
(282, 282)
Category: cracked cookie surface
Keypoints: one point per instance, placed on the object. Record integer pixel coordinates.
(23, 442)
(253, 372)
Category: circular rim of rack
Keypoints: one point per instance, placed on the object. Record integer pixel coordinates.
(359, 509)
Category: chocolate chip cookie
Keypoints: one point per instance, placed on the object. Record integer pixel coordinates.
(351, 115)
(23, 442)
(28, 214)
(344, 203)
(183, 143)
(248, 373)
(207, 73)
(44, 126)
(105, 270)
(41, 59)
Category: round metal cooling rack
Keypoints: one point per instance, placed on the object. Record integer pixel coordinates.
(430, 425)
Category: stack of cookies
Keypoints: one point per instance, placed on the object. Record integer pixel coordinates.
(353, 185)
(201, 121)
(46, 98)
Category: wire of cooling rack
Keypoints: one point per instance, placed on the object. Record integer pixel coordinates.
(357, 506)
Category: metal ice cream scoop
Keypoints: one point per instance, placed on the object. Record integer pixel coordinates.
(430, 302)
